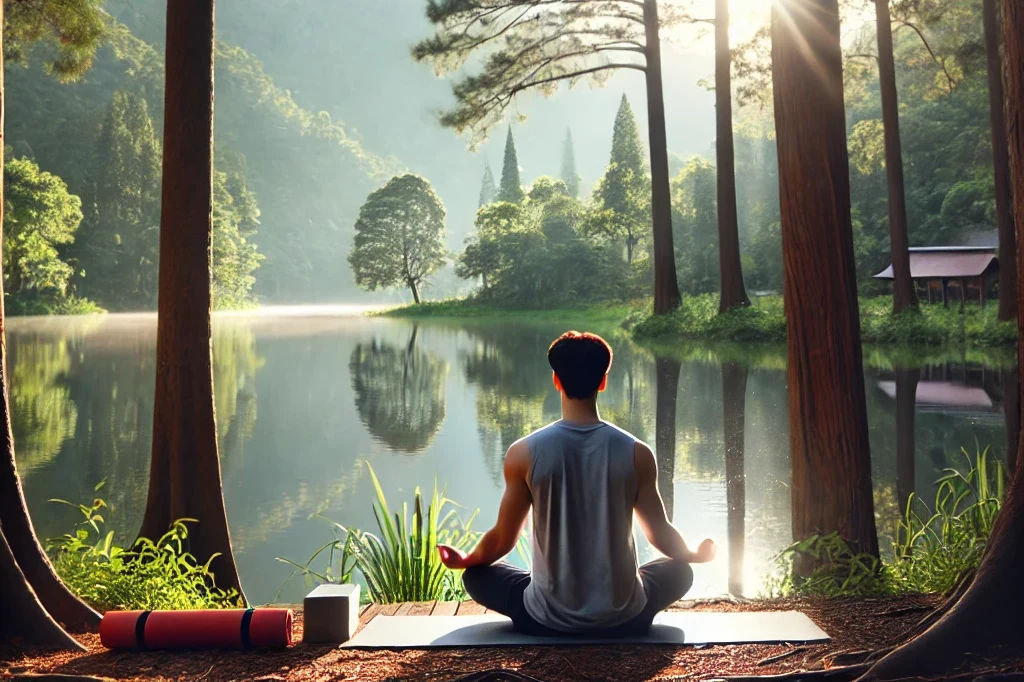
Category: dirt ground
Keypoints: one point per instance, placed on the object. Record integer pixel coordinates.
(854, 625)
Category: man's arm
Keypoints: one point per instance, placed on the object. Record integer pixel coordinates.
(512, 514)
(650, 513)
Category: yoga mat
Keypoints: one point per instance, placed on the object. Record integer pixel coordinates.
(210, 628)
(675, 627)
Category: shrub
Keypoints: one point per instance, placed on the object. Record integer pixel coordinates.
(150, 575)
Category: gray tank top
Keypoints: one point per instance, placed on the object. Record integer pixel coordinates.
(583, 483)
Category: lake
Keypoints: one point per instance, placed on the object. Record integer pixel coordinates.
(307, 397)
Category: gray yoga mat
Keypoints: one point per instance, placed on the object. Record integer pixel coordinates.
(677, 627)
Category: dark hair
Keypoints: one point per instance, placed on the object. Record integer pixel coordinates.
(580, 360)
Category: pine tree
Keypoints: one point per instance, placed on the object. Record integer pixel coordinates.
(572, 180)
(487, 188)
(627, 149)
(625, 189)
(511, 188)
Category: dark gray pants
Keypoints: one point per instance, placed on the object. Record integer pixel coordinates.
(500, 587)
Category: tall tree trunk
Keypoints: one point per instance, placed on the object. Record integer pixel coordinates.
(415, 291)
(1011, 412)
(666, 286)
(185, 477)
(1001, 166)
(733, 293)
(734, 398)
(906, 401)
(831, 467)
(22, 615)
(667, 377)
(987, 619)
(903, 294)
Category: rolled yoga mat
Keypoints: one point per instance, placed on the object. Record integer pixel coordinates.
(210, 628)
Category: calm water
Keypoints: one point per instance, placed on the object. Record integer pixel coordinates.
(306, 397)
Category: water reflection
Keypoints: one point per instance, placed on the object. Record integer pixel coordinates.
(305, 400)
(399, 392)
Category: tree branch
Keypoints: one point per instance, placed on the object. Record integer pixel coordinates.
(903, 23)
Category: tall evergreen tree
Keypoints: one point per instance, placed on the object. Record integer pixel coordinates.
(118, 248)
(511, 188)
(487, 188)
(572, 179)
(627, 149)
(626, 185)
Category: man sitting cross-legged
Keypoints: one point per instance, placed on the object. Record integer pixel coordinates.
(584, 479)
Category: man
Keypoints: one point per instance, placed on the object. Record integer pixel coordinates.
(584, 479)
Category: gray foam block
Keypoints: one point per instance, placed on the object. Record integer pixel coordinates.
(677, 627)
(330, 614)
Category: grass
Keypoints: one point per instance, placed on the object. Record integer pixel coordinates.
(150, 575)
(935, 548)
(765, 321)
(595, 316)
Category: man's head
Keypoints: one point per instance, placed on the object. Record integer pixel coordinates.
(580, 361)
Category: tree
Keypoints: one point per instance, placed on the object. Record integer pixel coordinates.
(695, 227)
(732, 292)
(831, 466)
(569, 174)
(511, 188)
(537, 47)
(487, 188)
(72, 30)
(1001, 165)
(33, 594)
(399, 237)
(625, 186)
(41, 216)
(185, 474)
(903, 294)
(734, 400)
(119, 251)
(235, 256)
(667, 392)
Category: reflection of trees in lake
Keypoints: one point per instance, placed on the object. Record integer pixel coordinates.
(667, 370)
(734, 398)
(399, 393)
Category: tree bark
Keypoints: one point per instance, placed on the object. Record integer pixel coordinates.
(903, 294)
(906, 401)
(734, 397)
(1011, 412)
(666, 286)
(185, 476)
(986, 619)
(831, 467)
(667, 391)
(732, 292)
(23, 617)
(415, 292)
(1001, 166)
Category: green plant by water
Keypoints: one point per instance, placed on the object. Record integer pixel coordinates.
(149, 575)
(933, 550)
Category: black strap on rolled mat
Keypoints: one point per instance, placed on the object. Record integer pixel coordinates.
(246, 621)
(140, 630)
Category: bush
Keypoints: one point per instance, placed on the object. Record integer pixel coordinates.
(933, 551)
(150, 575)
(698, 318)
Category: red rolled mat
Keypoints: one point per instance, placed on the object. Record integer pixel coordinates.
(210, 628)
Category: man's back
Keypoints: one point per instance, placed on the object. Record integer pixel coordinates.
(583, 485)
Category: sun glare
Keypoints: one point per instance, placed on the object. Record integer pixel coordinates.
(745, 16)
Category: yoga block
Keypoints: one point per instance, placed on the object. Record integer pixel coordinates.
(330, 614)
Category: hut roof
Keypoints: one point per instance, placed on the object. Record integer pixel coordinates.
(945, 261)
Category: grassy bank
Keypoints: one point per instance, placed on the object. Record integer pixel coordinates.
(765, 321)
(594, 317)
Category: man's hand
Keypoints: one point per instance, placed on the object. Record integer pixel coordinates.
(451, 557)
(705, 552)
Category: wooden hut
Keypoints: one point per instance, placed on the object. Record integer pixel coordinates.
(964, 273)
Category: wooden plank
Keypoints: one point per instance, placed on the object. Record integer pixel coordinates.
(445, 608)
(471, 608)
(369, 613)
(388, 609)
(404, 608)
(421, 608)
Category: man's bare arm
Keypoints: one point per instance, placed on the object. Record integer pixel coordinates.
(512, 514)
(650, 513)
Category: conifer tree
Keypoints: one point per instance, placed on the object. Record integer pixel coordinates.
(625, 189)
(487, 188)
(572, 179)
(511, 188)
(627, 149)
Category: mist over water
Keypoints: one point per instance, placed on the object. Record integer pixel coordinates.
(307, 396)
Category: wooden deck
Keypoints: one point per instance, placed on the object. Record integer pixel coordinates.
(421, 608)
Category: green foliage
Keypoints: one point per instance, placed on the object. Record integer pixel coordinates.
(625, 190)
(401, 563)
(511, 187)
(569, 174)
(399, 237)
(41, 217)
(488, 190)
(150, 575)
(69, 32)
(698, 318)
(695, 227)
(933, 551)
(235, 256)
